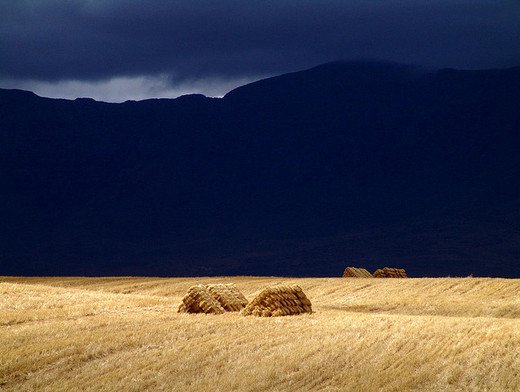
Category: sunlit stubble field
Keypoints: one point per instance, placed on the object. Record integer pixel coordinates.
(124, 334)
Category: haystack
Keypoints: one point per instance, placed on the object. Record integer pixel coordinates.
(390, 273)
(278, 301)
(228, 296)
(238, 294)
(353, 272)
(198, 299)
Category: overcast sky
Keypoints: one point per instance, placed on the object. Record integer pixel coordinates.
(116, 50)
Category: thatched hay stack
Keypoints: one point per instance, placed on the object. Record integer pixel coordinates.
(199, 300)
(228, 296)
(353, 272)
(238, 294)
(390, 273)
(278, 301)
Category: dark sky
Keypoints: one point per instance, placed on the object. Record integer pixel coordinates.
(124, 49)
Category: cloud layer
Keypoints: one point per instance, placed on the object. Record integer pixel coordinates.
(120, 89)
(96, 42)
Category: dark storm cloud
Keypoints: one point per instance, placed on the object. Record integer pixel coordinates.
(87, 40)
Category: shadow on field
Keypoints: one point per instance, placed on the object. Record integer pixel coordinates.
(503, 312)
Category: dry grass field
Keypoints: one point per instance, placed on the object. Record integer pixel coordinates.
(123, 334)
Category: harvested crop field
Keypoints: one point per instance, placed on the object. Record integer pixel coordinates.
(115, 334)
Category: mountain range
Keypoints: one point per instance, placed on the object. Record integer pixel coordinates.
(368, 164)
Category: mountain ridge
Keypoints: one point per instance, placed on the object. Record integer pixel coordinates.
(237, 185)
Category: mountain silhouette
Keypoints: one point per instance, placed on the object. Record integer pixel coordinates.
(349, 163)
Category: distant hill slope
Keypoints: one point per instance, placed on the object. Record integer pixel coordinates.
(356, 163)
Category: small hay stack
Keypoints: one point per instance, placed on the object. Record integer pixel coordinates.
(278, 301)
(353, 272)
(238, 294)
(390, 273)
(198, 299)
(228, 296)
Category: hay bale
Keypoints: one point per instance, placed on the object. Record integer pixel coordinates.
(228, 296)
(198, 299)
(238, 294)
(278, 301)
(390, 273)
(353, 272)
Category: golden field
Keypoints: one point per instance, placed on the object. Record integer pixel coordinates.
(124, 334)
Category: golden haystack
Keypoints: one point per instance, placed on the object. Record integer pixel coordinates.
(390, 273)
(198, 299)
(237, 293)
(228, 296)
(278, 301)
(353, 272)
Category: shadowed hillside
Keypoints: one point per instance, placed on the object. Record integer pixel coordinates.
(301, 174)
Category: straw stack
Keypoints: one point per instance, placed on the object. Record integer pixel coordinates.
(199, 300)
(278, 301)
(228, 296)
(238, 294)
(390, 273)
(353, 272)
